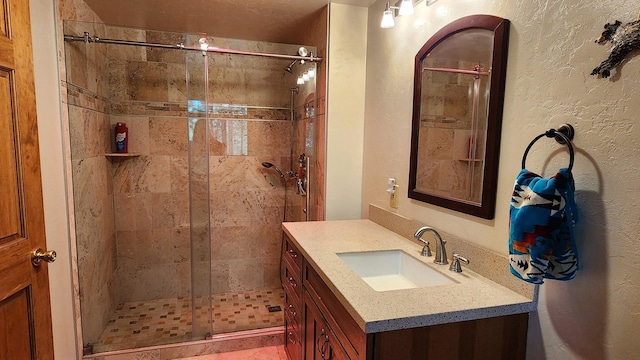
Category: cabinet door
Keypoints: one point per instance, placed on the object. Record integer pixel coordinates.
(320, 342)
(334, 350)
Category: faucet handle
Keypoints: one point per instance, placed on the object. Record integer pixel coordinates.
(455, 263)
(426, 250)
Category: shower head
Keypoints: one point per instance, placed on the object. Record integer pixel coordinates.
(302, 51)
(290, 67)
(270, 165)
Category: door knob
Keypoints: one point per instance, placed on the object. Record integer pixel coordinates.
(39, 255)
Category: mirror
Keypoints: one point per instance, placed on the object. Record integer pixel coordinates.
(457, 115)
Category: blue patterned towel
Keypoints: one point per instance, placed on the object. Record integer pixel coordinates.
(542, 216)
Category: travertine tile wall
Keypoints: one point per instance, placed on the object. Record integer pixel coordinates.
(445, 144)
(87, 106)
(310, 133)
(247, 200)
(149, 92)
(304, 142)
(147, 89)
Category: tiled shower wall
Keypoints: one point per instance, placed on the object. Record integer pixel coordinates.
(149, 92)
(309, 135)
(87, 106)
(247, 200)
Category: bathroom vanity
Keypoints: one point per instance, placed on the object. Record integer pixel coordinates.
(334, 313)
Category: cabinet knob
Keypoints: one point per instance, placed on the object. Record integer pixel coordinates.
(292, 310)
(291, 337)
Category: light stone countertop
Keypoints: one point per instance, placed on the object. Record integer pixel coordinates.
(472, 297)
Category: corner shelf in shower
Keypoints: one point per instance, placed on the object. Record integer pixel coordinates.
(121, 155)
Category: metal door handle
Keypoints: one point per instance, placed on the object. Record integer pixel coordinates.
(320, 347)
(39, 255)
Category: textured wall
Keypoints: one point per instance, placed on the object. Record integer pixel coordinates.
(345, 110)
(551, 53)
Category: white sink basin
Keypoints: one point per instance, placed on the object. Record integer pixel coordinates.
(393, 270)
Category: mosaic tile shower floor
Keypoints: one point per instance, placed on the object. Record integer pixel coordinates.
(164, 321)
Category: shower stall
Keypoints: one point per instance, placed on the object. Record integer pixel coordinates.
(179, 238)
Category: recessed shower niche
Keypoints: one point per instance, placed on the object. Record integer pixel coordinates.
(167, 239)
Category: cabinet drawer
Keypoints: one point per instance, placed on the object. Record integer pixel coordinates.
(292, 342)
(292, 254)
(292, 283)
(294, 309)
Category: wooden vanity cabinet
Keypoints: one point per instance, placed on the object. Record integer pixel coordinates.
(329, 332)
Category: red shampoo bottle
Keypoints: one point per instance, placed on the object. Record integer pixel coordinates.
(122, 138)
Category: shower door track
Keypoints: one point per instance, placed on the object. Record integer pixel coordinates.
(94, 39)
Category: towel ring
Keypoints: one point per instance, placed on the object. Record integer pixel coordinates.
(563, 135)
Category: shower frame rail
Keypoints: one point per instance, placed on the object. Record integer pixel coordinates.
(87, 38)
(458, 71)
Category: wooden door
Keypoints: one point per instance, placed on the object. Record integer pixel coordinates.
(25, 313)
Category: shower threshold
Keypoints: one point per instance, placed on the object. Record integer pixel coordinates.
(166, 321)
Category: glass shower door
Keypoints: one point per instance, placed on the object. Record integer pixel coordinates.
(198, 165)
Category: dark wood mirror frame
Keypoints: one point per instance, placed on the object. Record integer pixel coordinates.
(500, 27)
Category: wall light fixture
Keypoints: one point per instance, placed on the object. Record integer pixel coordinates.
(387, 18)
(405, 8)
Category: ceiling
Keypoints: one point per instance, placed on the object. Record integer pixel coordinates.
(263, 20)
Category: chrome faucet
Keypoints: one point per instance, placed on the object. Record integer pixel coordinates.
(441, 252)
